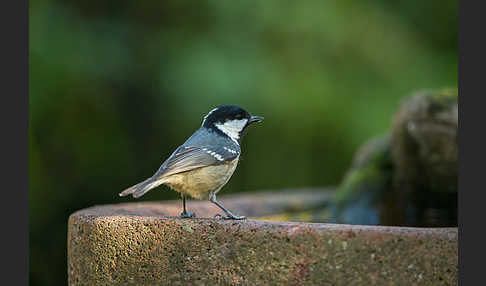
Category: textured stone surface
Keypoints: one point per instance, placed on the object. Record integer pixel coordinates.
(140, 244)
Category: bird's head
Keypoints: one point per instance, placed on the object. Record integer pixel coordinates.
(231, 120)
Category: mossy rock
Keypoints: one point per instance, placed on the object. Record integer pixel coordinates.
(424, 142)
(360, 196)
(407, 177)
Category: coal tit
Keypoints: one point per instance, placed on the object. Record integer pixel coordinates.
(201, 166)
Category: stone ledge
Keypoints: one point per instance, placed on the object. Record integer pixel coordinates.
(140, 244)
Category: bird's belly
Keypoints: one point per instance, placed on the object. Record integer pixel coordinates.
(200, 182)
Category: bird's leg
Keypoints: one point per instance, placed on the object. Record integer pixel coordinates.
(229, 215)
(184, 213)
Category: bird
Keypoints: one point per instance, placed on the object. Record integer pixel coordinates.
(204, 163)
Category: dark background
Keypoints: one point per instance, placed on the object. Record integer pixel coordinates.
(116, 86)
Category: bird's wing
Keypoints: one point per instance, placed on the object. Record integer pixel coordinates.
(187, 158)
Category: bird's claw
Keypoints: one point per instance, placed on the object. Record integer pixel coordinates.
(188, 215)
(221, 216)
(225, 217)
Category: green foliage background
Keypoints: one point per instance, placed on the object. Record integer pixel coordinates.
(115, 86)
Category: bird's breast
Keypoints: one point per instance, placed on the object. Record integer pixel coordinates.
(200, 182)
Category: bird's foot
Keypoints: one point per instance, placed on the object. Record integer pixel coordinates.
(236, 217)
(187, 215)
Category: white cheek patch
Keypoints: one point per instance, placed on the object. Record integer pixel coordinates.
(232, 128)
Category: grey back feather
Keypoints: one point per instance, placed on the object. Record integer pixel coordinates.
(203, 148)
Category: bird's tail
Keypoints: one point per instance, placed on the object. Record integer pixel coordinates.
(141, 188)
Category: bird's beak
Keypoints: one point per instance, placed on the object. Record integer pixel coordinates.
(255, 118)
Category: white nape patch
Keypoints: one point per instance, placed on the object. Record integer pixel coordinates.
(232, 128)
(209, 113)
